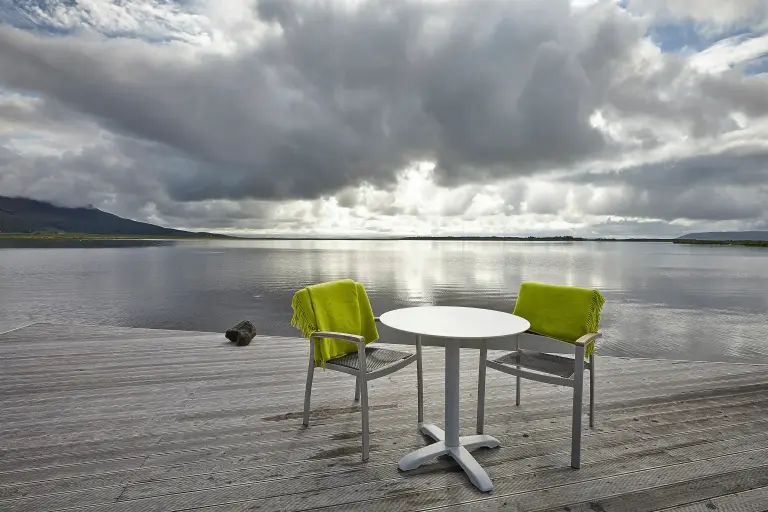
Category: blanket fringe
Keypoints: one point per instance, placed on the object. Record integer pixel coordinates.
(593, 321)
(301, 321)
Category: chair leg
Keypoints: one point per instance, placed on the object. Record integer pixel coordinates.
(578, 392)
(308, 388)
(357, 389)
(481, 387)
(364, 411)
(362, 375)
(591, 390)
(517, 377)
(419, 381)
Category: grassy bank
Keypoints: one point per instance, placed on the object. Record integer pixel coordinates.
(746, 243)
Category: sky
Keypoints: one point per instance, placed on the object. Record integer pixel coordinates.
(590, 118)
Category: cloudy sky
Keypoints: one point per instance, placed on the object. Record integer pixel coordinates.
(592, 118)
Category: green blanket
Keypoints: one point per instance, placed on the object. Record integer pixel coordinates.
(338, 306)
(565, 313)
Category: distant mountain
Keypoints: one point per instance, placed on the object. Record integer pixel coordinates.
(21, 215)
(727, 235)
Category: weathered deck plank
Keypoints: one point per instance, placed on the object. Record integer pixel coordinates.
(755, 500)
(100, 418)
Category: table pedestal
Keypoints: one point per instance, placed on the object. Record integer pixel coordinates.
(448, 441)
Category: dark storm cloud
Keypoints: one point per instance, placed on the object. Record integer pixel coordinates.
(650, 96)
(634, 228)
(339, 96)
(743, 167)
(75, 179)
(33, 117)
(728, 186)
(734, 91)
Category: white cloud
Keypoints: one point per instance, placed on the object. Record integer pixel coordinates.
(731, 52)
(152, 19)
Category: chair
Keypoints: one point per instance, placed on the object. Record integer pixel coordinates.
(368, 363)
(541, 362)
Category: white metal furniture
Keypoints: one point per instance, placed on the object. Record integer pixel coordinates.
(453, 325)
(368, 363)
(541, 363)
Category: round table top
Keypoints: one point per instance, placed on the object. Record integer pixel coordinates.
(455, 322)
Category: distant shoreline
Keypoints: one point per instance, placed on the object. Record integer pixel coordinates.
(535, 239)
(75, 237)
(745, 243)
(81, 236)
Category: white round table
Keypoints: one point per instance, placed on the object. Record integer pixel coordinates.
(454, 324)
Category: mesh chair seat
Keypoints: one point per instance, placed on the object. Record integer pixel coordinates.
(540, 362)
(376, 358)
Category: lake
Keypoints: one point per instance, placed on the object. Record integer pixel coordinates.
(662, 300)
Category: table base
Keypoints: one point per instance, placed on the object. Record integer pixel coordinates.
(460, 454)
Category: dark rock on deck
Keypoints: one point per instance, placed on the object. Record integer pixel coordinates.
(241, 334)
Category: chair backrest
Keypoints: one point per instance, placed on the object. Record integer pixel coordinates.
(562, 313)
(336, 306)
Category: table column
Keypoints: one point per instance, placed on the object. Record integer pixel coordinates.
(452, 393)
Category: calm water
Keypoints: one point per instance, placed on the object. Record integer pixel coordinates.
(663, 300)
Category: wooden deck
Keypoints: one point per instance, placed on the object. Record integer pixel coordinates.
(138, 420)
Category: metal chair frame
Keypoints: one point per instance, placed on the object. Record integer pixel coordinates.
(363, 376)
(513, 364)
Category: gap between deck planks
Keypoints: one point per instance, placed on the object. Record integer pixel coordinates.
(103, 418)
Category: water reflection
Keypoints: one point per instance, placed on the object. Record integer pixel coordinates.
(663, 300)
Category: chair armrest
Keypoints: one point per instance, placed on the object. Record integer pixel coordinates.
(377, 319)
(587, 339)
(338, 336)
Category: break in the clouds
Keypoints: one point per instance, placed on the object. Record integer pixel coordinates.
(641, 117)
